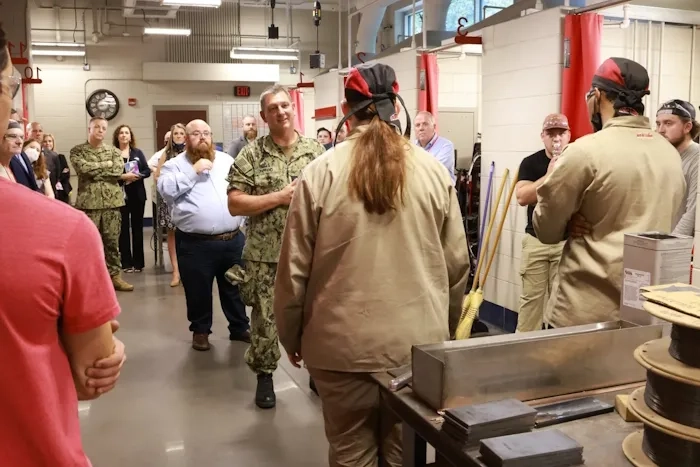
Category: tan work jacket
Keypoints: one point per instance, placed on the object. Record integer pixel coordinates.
(355, 291)
(625, 178)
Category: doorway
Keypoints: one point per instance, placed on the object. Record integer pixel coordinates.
(166, 118)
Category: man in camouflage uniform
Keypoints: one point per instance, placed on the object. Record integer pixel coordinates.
(261, 185)
(99, 167)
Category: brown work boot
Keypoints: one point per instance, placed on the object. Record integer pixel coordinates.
(200, 341)
(120, 285)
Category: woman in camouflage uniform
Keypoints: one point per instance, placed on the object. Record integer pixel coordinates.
(175, 146)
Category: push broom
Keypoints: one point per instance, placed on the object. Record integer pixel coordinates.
(482, 253)
(464, 329)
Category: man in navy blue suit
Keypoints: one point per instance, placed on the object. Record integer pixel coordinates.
(21, 166)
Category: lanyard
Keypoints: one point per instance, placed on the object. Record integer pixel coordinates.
(431, 143)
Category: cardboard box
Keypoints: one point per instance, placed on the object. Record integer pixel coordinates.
(651, 258)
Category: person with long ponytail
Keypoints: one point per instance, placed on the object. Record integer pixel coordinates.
(374, 260)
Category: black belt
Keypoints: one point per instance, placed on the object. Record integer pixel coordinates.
(221, 236)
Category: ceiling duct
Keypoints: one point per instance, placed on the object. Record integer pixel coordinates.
(150, 9)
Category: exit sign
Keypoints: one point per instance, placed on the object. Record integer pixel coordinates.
(241, 91)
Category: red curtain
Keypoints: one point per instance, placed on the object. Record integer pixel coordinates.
(582, 35)
(298, 101)
(428, 84)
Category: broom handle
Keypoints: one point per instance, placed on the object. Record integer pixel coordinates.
(500, 226)
(488, 231)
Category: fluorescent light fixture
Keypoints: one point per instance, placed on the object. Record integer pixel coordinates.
(57, 44)
(266, 49)
(270, 57)
(167, 31)
(59, 53)
(204, 3)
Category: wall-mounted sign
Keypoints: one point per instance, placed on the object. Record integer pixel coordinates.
(241, 91)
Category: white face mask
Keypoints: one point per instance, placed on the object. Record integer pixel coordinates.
(32, 154)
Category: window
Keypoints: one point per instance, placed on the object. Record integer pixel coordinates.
(469, 8)
(408, 23)
(499, 4)
(459, 9)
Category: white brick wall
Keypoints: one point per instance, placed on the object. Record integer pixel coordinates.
(460, 83)
(521, 84)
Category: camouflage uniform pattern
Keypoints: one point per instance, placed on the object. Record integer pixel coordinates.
(100, 196)
(98, 171)
(257, 291)
(262, 168)
(109, 224)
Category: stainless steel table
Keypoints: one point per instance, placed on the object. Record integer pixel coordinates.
(601, 436)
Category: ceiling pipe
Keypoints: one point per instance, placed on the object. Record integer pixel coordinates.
(598, 6)
(57, 20)
(692, 64)
(95, 21)
(661, 67)
(413, 27)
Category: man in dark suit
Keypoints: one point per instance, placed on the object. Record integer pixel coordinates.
(20, 165)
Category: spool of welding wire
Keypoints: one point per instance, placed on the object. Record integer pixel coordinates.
(685, 345)
(674, 400)
(666, 443)
(668, 451)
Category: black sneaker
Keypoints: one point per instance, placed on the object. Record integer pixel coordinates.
(265, 393)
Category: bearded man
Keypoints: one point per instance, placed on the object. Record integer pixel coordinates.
(676, 122)
(249, 130)
(208, 239)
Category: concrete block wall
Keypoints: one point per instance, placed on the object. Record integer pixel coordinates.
(519, 88)
(460, 82)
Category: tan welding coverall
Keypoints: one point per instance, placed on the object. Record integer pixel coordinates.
(622, 179)
(354, 291)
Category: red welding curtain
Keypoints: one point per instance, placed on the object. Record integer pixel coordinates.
(428, 84)
(583, 35)
(298, 101)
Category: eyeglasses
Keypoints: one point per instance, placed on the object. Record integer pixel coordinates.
(198, 134)
(13, 83)
(13, 136)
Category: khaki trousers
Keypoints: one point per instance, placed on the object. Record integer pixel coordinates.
(359, 428)
(538, 271)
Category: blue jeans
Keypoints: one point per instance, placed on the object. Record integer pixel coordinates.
(201, 261)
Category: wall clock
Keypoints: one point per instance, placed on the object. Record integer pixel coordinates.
(102, 103)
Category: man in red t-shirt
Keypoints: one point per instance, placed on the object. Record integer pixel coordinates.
(56, 307)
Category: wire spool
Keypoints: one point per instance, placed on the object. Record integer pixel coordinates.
(685, 333)
(668, 451)
(685, 345)
(665, 443)
(674, 400)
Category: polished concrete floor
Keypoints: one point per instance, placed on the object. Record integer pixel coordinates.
(176, 407)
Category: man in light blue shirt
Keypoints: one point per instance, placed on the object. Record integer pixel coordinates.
(208, 239)
(428, 139)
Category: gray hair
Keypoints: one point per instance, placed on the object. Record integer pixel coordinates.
(428, 116)
(271, 91)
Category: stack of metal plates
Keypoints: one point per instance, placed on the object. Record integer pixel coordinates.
(470, 424)
(548, 448)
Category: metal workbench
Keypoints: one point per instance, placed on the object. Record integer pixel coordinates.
(601, 436)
